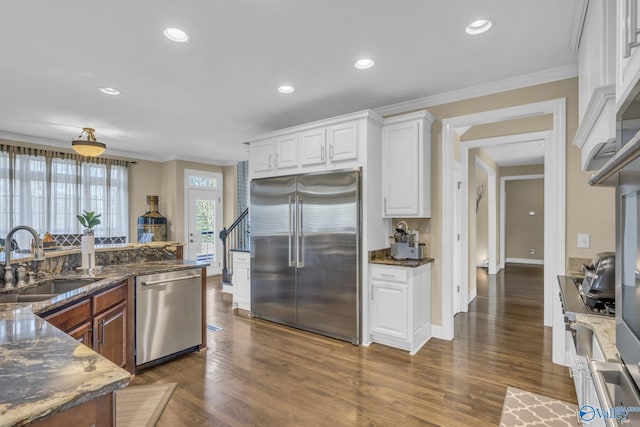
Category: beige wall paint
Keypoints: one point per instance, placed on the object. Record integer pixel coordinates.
(599, 222)
(230, 176)
(522, 170)
(482, 218)
(145, 178)
(170, 188)
(523, 231)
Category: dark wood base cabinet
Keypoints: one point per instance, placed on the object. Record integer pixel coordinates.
(97, 412)
(102, 321)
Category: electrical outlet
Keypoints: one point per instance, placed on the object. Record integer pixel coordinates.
(532, 251)
(583, 241)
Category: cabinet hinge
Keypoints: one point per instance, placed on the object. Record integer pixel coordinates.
(459, 185)
(458, 237)
(458, 289)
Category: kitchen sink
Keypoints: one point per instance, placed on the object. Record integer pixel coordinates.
(55, 287)
(14, 298)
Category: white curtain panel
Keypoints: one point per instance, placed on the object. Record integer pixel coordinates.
(46, 191)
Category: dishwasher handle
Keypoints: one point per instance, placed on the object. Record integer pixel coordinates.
(163, 281)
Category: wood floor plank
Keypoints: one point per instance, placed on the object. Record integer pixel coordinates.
(258, 373)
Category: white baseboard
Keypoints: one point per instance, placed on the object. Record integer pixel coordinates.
(526, 261)
(227, 288)
(481, 264)
(473, 295)
(438, 332)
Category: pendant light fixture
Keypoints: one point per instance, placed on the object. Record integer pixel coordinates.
(88, 147)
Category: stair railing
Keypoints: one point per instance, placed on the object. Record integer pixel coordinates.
(236, 236)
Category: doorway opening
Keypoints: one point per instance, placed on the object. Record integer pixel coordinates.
(554, 215)
(203, 218)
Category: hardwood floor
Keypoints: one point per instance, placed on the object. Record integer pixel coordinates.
(259, 373)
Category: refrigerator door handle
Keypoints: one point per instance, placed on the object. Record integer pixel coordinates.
(292, 262)
(300, 242)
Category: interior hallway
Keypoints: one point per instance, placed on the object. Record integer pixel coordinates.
(259, 373)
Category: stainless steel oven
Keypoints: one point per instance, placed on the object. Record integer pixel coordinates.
(168, 315)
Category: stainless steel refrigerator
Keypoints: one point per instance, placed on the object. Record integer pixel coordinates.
(305, 245)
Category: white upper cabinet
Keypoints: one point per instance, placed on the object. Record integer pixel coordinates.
(313, 147)
(286, 152)
(343, 142)
(596, 81)
(627, 48)
(270, 156)
(406, 166)
(334, 143)
(262, 156)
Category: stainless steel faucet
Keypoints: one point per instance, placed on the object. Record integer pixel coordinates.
(37, 256)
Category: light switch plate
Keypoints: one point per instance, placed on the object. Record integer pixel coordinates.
(583, 240)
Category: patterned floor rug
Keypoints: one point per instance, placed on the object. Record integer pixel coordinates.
(139, 406)
(524, 409)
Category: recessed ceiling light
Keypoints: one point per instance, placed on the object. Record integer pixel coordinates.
(176, 35)
(286, 89)
(363, 64)
(109, 91)
(479, 26)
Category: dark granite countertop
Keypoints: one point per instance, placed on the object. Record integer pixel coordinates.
(401, 263)
(42, 369)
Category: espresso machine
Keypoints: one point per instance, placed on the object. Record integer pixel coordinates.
(405, 244)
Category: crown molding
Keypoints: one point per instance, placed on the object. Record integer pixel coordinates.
(577, 24)
(540, 77)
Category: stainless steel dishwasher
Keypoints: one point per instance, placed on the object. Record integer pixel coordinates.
(168, 315)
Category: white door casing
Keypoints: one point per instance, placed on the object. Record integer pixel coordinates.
(555, 211)
(457, 240)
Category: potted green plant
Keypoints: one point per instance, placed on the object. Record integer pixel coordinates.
(89, 220)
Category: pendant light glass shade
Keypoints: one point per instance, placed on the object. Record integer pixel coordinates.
(88, 147)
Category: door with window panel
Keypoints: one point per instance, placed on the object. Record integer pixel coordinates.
(204, 219)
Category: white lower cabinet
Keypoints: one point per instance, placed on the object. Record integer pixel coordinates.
(400, 306)
(241, 280)
(579, 371)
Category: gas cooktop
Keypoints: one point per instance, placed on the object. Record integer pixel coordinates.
(593, 303)
(574, 303)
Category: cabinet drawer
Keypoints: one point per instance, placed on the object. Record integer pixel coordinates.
(109, 298)
(70, 317)
(389, 274)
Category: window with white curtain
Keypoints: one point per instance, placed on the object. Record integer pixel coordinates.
(46, 190)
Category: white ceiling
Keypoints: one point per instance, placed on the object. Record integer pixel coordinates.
(200, 100)
(517, 153)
